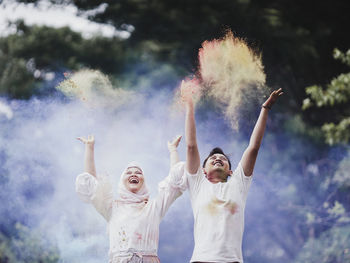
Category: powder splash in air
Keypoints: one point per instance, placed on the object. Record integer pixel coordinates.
(229, 70)
(6, 110)
(93, 88)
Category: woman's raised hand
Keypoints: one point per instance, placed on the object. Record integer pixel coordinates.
(89, 159)
(172, 145)
(90, 140)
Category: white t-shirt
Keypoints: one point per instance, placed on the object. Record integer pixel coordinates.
(218, 211)
(133, 228)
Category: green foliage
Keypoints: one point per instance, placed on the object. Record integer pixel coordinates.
(331, 247)
(337, 133)
(15, 80)
(343, 57)
(342, 175)
(6, 253)
(27, 246)
(295, 37)
(337, 92)
(170, 32)
(295, 125)
(28, 56)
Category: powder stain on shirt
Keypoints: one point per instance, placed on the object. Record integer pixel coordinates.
(138, 236)
(123, 238)
(232, 207)
(212, 207)
(215, 204)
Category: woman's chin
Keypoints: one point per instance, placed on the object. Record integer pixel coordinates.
(134, 188)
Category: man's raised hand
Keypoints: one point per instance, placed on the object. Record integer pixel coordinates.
(190, 91)
(273, 98)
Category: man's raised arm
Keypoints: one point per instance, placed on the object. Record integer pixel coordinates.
(251, 153)
(192, 154)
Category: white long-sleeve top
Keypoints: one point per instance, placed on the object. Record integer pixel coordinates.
(133, 228)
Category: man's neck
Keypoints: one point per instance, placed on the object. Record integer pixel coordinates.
(217, 177)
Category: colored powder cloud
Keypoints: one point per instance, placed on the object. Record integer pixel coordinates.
(230, 71)
(189, 87)
(94, 88)
(6, 110)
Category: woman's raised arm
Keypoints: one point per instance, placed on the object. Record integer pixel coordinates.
(89, 159)
(172, 147)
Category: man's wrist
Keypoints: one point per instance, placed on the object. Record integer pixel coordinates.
(266, 106)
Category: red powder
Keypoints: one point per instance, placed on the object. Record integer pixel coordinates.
(232, 207)
(138, 235)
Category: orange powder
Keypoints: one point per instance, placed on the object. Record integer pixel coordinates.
(227, 68)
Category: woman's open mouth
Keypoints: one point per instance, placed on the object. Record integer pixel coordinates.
(134, 180)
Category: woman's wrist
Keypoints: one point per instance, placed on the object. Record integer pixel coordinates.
(172, 150)
(90, 146)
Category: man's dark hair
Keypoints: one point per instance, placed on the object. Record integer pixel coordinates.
(214, 151)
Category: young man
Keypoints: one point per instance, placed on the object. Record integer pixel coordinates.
(218, 202)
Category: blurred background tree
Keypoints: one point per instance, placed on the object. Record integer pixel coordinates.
(335, 97)
(296, 39)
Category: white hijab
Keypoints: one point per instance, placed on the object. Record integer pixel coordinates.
(127, 197)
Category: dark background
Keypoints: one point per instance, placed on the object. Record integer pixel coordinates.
(297, 41)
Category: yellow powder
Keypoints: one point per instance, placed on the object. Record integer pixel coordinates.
(94, 88)
(228, 67)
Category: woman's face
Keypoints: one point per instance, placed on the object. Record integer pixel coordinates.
(133, 179)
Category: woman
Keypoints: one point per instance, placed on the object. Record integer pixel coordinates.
(133, 220)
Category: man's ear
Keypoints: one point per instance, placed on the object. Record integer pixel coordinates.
(205, 172)
(230, 172)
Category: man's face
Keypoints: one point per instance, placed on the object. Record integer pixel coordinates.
(133, 179)
(217, 168)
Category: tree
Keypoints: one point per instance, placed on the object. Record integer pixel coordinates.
(335, 97)
(37, 56)
(294, 36)
(27, 245)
